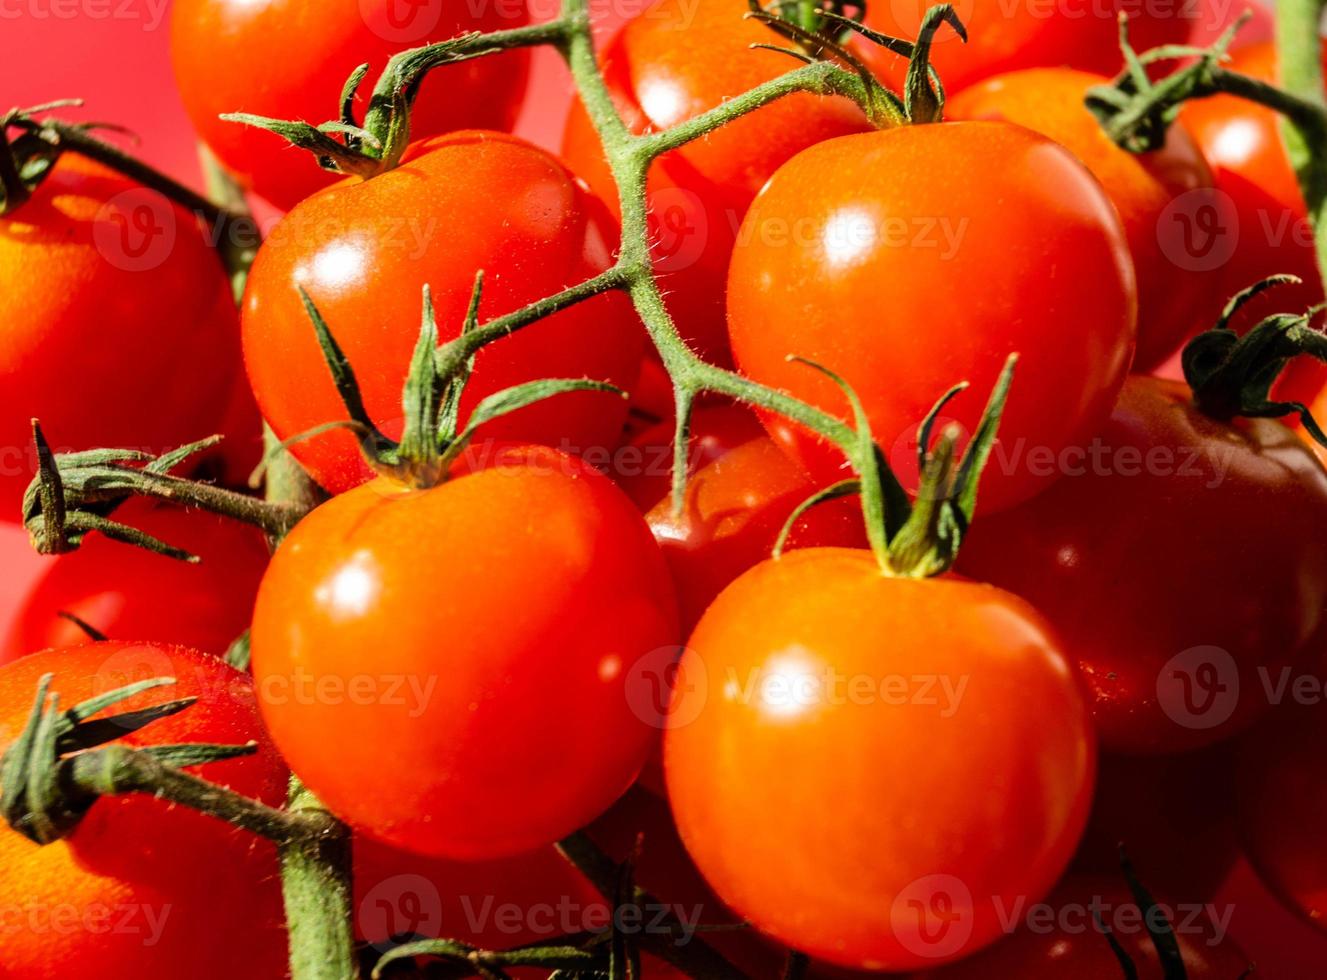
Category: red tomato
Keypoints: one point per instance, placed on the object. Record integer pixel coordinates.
(913, 270)
(1266, 230)
(1283, 802)
(827, 731)
(363, 250)
(715, 429)
(1154, 193)
(675, 60)
(1060, 938)
(127, 593)
(287, 60)
(1002, 37)
(119, 323)
(124, 896)
(1175, 816)
(1183, 615)
(509, 666)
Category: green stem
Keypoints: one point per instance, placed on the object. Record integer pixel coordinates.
(317, 889)
(1299, 56)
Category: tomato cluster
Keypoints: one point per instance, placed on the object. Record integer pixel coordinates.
(823, 682)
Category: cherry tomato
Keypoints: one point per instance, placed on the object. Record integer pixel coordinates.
(1283, 801)
(119, 327)
(1154, 193)
(1182, 614)
(127, 593)
(910, 270)
(829, 729)
(675, 60)
(1060, 938)
(285, 60)
(1005, 37)
(1265, 230)
(363, 250)
(143, 888)
(1173, 814)
(494, 624)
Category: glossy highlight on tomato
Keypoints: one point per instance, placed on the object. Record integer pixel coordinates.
(671, 62)
(507, 667)
(828, 730)
(1203, 574)
(364, 250)
(143, 888)
(912, 270)
(286, 59)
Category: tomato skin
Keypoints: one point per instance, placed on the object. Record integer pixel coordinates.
(1004, 37)
(286, 60)
(555, 588)
(675, 60)
(125, 856)
(1071, 945)
(91, 269)
(1144, 189)
(351, 248)
(1271, 233)
(715, 430)
(130, 594)
(825, 275)
(1210, 579)
(750, 775)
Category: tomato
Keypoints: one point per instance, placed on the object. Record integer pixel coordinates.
(119, 327)
(1174, 815)
(363, 250)
(912, 270)
(734, 510)
(675, 60)
(127, 593)
(1154, 193)
(141, 887)
(1059, 938)
(505, 611)
(1182, 615)
(1283, 801)
(715, 429)
(1003, 37)
(286, 60)
(1266, 230)
(848, 753)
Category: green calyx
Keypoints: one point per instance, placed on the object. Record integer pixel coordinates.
(432, 437)
(921, 538)
(1232, 376)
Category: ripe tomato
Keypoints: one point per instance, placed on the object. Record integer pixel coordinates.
(734, 510)
(716, 429)
(675, 60)
(1175, 816)
(363, 250)
(117, 898)
(1154, 193)
(508, 665)
(286, 60)
(127, 593)
(1005, 37)
(119, 327)
(912, 270)
(827, 731)
(1206, 606)
(1263, 229)
(1283, 801)
(1059, 938)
